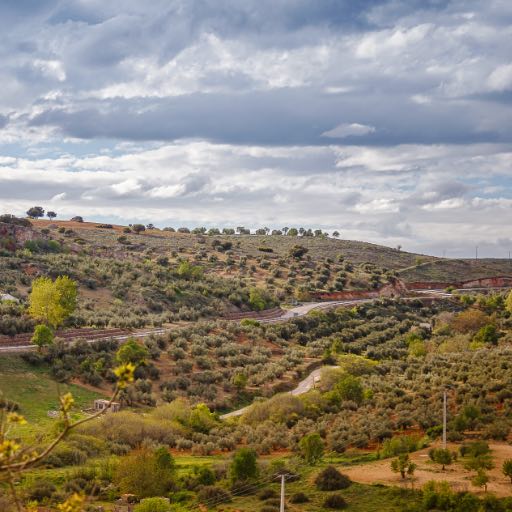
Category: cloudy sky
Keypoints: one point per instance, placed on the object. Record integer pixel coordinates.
(389, 120)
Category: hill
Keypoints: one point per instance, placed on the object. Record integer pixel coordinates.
(160, 277)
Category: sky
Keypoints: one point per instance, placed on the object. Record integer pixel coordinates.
(387, 120)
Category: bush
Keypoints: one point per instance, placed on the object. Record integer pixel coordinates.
(213, 493)
(402, 444)
(335, 501)
(40, 490)
(153, 505)
(66, 455)
(299, 497)
(330, 479)
(267, 494)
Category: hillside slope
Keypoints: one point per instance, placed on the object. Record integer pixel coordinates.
(160, 277)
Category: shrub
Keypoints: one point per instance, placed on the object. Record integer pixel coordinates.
(211, 493)
(153, 505)
(40, 490)
(266, 494)
(487, 334)
(402, 444)
(138, 228)
(66, 455)
(299, 497)
(330, 479)
(297, 251)
(335, 501)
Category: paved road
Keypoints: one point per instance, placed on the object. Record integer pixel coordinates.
(304, 309)
(296, 312)
(302, 387)
(291, 313)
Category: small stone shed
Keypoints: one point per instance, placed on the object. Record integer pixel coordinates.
(101, 404)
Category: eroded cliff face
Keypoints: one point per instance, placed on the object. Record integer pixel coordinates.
(13, 237)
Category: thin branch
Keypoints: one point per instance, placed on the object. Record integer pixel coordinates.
(59, 438)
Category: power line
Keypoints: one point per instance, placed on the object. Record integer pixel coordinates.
(244, 489)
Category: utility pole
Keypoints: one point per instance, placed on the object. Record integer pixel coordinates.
(476, 252)
(281, 509)
(444, 419)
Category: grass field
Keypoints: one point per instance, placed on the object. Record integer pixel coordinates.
(36, 392)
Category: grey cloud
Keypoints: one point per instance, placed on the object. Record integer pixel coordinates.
(263, 80)
(275, 117)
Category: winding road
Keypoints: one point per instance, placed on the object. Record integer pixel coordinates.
(302, 387)
(288, 315)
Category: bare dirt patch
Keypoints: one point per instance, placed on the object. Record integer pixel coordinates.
(458, 477)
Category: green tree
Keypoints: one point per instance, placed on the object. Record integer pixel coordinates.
(292, 232)
(132, 352)
(188, 271)
(480, 462)
(481, 479)
(349, 388)
(164, 460)
(487, 334)
(202, 419)
(441, 456)
(403, 465)
(35, 212)
(43, 336)
(244, 465)
(258, 299)
(417, 348)
(52, 301)
(138, 228)
(311, 448)
(145, 473)
(239, 380)
(51, 215)
(507, 469)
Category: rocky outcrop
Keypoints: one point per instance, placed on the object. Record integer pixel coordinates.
(394, 289)
(13, 237)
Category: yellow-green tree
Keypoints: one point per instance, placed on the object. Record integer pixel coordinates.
(508, 302)
(52, 301)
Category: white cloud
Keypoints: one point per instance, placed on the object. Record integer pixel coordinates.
(345, 130)
(501, 78)
(59, 197)
(51, 69)
(279, 86)
(125, 187)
